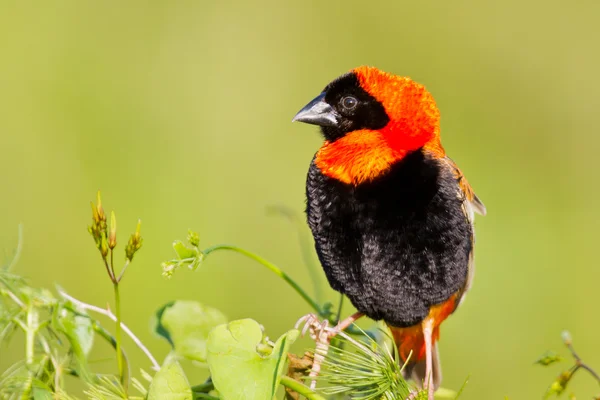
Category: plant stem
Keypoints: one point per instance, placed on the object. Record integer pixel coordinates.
(579, 362)
(118, 335)
(272, 267)
(306, 248)
(339, 311)
(107, 313)
(110, 339)
(30, 335)
(108, 269)
(300, 388)
(123, 271)
(11, 292)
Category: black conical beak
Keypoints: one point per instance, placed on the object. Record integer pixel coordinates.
(318, 112)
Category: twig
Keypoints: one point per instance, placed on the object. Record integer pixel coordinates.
(339, 311)
(111, 274)
(109, 314)
(306, 248)
(123, 271)
(14, 298)
(578, 361)
(272, 267)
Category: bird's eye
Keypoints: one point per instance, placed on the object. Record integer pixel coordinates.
(349, 102)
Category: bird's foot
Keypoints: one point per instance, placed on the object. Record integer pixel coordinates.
(322, 333)
(313, 325)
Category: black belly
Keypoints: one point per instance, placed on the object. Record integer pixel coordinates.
(394, 246)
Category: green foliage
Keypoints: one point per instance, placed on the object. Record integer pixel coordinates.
(559, 385)
(78, 329)
(548, 358)
(185, 325)
(47, 323)
(242, 364)
(60, 333)
(170, 383)
(364, 369)
(189, 256)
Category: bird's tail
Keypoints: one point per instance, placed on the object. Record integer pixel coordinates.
(411, 347)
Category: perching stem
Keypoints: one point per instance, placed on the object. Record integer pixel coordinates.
(277, 271)
(273, 268)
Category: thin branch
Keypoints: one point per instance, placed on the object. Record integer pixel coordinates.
(578, 361)
(112, 261)
(338, 316)
(108, 269)
(590, 370)
(273, 268)
(109, 314)
(15, 298)
(569, 345)
(123, 271)
(306, 248)
(12, 293)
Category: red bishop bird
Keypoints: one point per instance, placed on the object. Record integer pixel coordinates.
(391, 214)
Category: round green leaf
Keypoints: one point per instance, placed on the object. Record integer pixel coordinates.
(239, 365)
(170, 383)
(185, 325)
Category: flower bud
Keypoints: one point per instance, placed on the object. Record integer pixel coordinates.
(193, 238)
(135, 243)
(112, 236)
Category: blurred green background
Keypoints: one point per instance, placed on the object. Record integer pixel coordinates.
(180, 113)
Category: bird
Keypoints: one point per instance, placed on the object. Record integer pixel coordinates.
(391, 214)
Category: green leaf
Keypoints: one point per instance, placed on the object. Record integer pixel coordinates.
(170, 383)
(42, 394)
(548, 358)
(190, 256)
(183, 251)
(80, 333)
(239, 365)
(185, 325)
(78, 328)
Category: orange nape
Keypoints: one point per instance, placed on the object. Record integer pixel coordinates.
(412, 339)
(414, 116)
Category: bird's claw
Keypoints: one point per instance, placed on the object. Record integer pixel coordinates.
(317, 329)
(321, 333)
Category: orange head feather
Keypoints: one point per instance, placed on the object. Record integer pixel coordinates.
(372, 119)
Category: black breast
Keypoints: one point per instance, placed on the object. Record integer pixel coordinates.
(395, 246)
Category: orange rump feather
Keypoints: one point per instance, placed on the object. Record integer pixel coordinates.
(412, 339)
